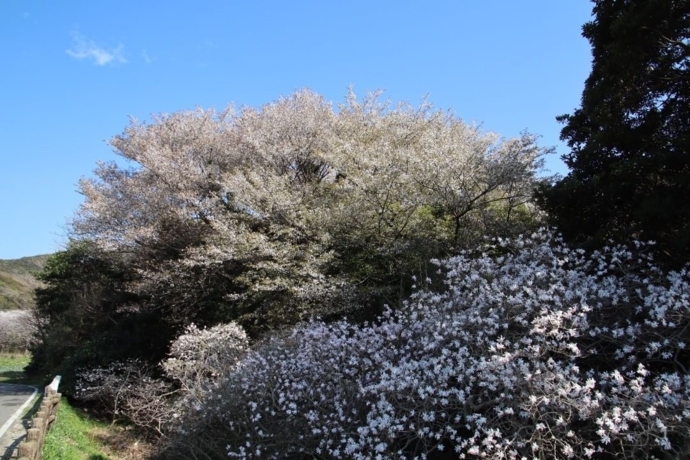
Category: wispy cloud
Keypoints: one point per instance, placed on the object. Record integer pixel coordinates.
(145, 55)
(85, 48)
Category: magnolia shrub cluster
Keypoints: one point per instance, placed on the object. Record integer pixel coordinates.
(531, 350)
(201, 354)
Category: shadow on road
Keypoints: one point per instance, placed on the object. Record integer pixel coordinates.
(11, 375)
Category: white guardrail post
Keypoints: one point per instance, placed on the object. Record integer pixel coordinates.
(43, 419)
(53, 385)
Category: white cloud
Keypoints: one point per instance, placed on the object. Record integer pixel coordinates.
(145, 55)
(85, 48)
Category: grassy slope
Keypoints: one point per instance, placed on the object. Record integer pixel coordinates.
(17, 283)
(76, 436)
(12, 368)
(70, 438)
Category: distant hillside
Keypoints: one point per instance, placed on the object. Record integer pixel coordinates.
(17, 283)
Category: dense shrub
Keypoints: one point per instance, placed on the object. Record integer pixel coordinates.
(86, 317)
(200, 355)
(531, 350)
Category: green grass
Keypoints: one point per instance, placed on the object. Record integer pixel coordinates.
(70, 438)
(12, 367)
(74, 436)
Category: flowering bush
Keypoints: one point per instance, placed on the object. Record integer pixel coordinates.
(16, 330)
(200, 354)
(132, 390)
(531, 350)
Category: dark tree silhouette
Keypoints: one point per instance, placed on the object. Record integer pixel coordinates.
(630, 161)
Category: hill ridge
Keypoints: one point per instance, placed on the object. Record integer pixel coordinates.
(17, 282)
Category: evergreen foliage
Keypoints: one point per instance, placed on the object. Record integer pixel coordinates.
(630, 139)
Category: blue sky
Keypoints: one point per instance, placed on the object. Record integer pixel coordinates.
(72, 72)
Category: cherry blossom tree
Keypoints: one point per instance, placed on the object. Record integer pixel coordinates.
(17, 331)
(273, 215)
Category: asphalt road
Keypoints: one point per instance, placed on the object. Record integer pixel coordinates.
(12, 398)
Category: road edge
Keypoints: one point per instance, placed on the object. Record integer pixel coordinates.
(19, 412)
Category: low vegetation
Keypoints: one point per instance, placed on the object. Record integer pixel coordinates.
(12, 367)
(76, 436)
(70, 439)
